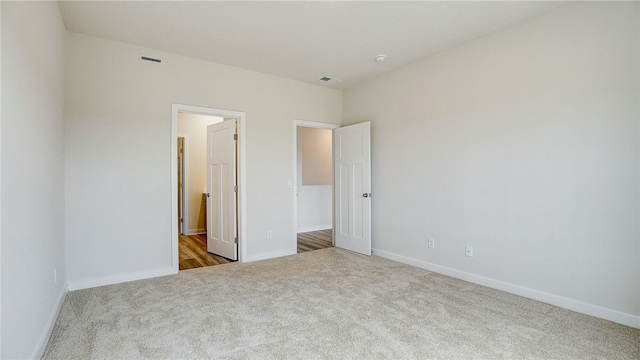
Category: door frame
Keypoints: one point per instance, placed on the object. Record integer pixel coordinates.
(185, 184)
(242, 184)
(316, 125)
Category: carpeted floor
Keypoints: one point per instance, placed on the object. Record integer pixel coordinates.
(324, 304)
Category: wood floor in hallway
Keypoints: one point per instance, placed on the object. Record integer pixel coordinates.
(314, 240)
(192, 252)
(192, 249)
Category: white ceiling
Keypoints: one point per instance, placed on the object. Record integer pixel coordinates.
(299, 40)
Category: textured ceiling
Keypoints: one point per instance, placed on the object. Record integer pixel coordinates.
(298, 40)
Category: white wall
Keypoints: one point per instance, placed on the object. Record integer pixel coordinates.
(194, 128)
(32, 175)
(315, 153)
(523, 144)
(315, 206)
(118, 162)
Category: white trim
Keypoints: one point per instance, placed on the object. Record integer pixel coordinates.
(242, 171)
(314, 228)
(1, 187)
(270, 255)
(117, 279)
(44, 338)
(195, 232)
(566, 303)
(311, 124)
(174, 188)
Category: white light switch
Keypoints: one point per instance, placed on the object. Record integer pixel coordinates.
(289, 183)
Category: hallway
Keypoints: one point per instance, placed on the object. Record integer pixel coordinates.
(314, 240)
(192, 253)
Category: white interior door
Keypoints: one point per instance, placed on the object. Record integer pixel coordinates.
(352, 187)
(222, 189)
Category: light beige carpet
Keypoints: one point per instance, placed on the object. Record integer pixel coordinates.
(324, 304)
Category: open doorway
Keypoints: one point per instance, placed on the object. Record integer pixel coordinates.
(314, 185)
(197, 195)
(192, 191)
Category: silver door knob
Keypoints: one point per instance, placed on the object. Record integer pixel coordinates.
(366, 195)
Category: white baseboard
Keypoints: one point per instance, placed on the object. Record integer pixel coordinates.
(268, 255)
(196, 231)
(44, 338)
(117, 279)
(566, 303)
(314, 228)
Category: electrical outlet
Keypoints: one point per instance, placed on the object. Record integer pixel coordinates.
(269, 234)
(432, 243)
(468, 251)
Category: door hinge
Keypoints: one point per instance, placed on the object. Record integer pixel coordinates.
(236, 239)
(235, 136)
(235, 188)
(181, 220)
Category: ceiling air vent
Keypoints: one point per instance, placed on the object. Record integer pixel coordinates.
(330, 80)
(146, 58)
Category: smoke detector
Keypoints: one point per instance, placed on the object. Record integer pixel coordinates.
(330, 79)
(381, 58)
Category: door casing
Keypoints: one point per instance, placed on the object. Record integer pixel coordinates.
(181, 200)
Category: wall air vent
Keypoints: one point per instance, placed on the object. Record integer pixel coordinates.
(146, 58)
(330, 80)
